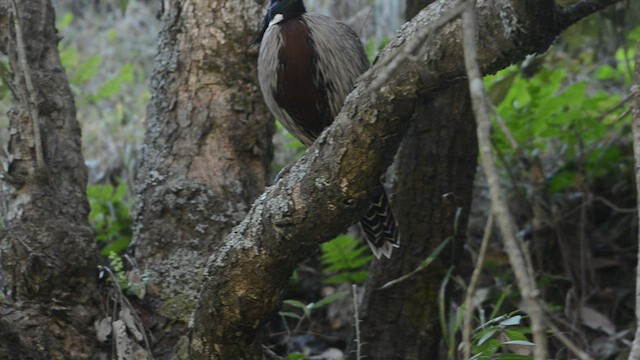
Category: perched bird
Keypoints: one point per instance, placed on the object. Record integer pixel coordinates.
(308, 64)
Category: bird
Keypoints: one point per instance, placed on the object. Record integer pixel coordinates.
(307, 64)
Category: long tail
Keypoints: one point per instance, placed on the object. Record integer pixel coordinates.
(380, 228)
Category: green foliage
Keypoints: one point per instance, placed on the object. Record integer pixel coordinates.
(113, 85)
(122, 5)
(289, 147)
(634, 35)
(373, 47)
(118, 270)
(291, 142)
(343, 260)
(301, 311)
(5, 76)
(623, 70)
(110, 217)
(85, 70)
(498, 333)
(307, 309)
(551, 116)
(296, 356)
(107, 76)
(81, 71)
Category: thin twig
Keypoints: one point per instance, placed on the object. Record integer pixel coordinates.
(521, 267)
(270, 355)
(505, 129)
(635, 106)
(614, 108)
(423, 265)
(473, 285)
(124, 301)
(568, 343)
(613, 206)
(32, 101)
(356, 315)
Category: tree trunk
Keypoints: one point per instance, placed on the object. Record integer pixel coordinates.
(434, 169)
(48, 255)
(207, 152)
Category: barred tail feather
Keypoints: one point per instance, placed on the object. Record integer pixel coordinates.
(379, 227)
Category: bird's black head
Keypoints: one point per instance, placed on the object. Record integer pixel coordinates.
(286, 8)
(281, 10)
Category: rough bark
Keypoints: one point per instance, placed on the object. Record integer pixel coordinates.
(207, 152)
(433, 181)
(48, 255)
(326, 189)
(435, 168)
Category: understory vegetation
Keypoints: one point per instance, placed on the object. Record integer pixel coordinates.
(561, 133)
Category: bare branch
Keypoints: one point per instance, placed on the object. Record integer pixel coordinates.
(473, 285)
(568, 343)
(635, 106)
(521, 267)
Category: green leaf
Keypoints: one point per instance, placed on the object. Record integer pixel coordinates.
(113, 86)
(329, 299)
(514, 357)
(606, 72)
(296, 356)
(514, 320)
(296, 303)
(110, 216)
(87, 70)
(563, 180)
(117, 246)
(70, 58)
(423, 265)
(486, 335)
(64, 21)
(515, 335)
(343, 260)
(290, 315)
(518, 342)
(487, 349)
(122, 5)
(634, 34)
(500, 84)
(501, 299)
